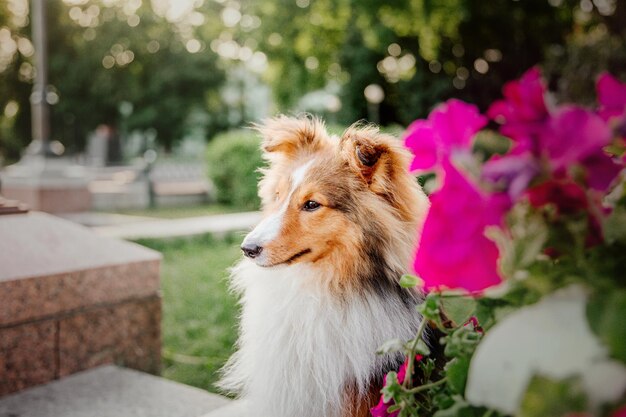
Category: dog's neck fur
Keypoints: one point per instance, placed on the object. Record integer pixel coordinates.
(301, 347)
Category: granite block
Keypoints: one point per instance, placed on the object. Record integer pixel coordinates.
(126, 334)
(51, 200)
(47, 296)
(27, 356)
(38, 244)
(52, 266)
(71, 300)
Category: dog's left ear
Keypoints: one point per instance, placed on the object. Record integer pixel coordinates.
(290, 137)
(374, 157)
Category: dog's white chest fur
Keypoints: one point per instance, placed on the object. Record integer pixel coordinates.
(300, 347)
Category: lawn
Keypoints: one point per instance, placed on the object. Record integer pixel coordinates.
(199, 314)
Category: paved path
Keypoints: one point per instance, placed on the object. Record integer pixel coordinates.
(163, 228)
(97, 219)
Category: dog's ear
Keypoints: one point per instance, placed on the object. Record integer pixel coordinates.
(291, 136)
(374, 157)
(382, 162)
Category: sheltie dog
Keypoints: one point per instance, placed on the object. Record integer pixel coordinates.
(319, 284)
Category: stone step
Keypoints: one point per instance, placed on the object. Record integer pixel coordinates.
(232, 409)
(111, 391)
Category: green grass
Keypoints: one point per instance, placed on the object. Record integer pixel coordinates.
(199, 314)
(180, 212)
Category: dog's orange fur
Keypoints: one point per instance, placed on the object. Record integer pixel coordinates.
(356, 405)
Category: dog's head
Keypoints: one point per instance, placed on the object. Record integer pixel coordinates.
(333, 201)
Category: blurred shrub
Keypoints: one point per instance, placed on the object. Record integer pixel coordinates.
(234, 158)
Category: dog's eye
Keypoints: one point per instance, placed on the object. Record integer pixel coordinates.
(311, 205)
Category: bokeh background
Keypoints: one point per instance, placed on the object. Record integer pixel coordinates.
(169, 86)
(177, 69)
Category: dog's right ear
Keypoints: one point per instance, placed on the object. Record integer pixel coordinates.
(291, 137)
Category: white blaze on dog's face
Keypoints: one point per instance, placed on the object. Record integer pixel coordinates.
(333, 202)
(256, 243)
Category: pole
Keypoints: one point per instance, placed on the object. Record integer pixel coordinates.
(40, 108)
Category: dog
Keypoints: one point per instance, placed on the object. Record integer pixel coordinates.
(319, 283)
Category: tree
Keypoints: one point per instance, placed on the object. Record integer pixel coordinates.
(419, 51)
(103, 54)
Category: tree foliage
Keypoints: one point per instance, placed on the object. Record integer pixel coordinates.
(104, 54)
(419, 51)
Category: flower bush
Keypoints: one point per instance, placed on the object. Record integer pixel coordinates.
(522, 258)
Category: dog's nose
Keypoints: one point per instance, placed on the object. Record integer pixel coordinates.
(251, 250)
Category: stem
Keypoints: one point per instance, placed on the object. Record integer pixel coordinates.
(409, 367)
(426, 386)
(465, 294)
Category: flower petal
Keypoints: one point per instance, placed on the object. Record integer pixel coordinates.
(513, 171)
(454, 231)
(611, 96)
(552, 338)
(573, 134)
(420, 139)
(456, 123)
(601, 170)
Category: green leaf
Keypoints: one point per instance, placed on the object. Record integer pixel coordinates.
(606, 314)
(458, 309)
(614, 227)
(410, 281)
(430, 307)
(461, 342)
(422, 348)
(523, 241)
(547, 397)
(461, 408)
(456, 372)
(427, 365)
(390, 346)
(484, 315)
(392, 388)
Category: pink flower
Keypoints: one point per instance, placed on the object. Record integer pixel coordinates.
(523, 110)
(573, 134)
(567, 196)
(576, 135)
(512, 172)
(380, 410)
(602, 170)
(473, 321)
(449, 126)
(454, 251)
(611, 96)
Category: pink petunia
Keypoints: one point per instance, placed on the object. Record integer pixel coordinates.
(512, 172)
(380, 410)
(450, 126)
(567, 196)
(611, 96)
(454, 251)
(575, 135)
(523, 110)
